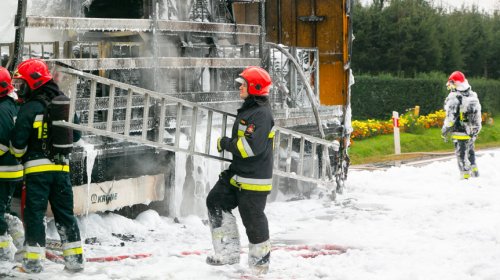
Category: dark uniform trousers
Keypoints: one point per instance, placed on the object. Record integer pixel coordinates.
(251, 205)
(7, 189)
(464, 150)
(53, 187)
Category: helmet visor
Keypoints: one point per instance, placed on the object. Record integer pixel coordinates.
(240, 80)
(22, 87)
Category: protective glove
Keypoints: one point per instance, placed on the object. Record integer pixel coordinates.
(445, 133)
(226, 175)
(222, 143)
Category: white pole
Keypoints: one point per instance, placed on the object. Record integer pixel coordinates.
(397, 142)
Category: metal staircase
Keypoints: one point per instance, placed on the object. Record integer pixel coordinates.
(137, 115)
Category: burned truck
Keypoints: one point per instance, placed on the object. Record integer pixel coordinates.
(154, 79)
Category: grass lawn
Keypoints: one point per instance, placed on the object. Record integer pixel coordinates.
(381, 148)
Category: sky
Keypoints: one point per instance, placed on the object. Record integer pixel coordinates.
(487, 5)
(407, 222)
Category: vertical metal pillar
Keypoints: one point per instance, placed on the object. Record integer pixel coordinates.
(155, 16)
(262, 23)
(280, 27)
(20, 23)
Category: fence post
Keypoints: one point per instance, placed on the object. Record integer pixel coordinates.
(395, 122)
(416, 111)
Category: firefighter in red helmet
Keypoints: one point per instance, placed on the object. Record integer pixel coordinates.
(248, 180)
(46, 173)
(462, 122)
(11, 171)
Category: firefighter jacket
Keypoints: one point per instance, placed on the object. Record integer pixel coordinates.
(251, 144)
(30, 133)
(463, 115)
(10, 169)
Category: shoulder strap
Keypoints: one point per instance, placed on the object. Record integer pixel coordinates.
(42, 99)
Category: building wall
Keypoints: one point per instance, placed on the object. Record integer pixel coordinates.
(284, 26)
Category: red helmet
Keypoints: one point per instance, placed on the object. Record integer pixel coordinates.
(5, 82)
(457, 80)
(257, 79)
(457, 76)
(34, 71)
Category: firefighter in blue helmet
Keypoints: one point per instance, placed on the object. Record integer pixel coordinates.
(248, 180)
(462, 122)
(46, 169)
(11, 171)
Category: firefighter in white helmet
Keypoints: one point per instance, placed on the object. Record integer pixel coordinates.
(462, 122)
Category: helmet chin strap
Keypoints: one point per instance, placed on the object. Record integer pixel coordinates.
(24, 92)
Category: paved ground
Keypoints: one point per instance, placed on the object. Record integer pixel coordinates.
(421, 159)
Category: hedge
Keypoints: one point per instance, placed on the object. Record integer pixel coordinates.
(377, 97)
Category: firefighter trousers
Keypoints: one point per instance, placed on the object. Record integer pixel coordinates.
(7, 189)
(466, 156)
(251, 205)
(53, 187)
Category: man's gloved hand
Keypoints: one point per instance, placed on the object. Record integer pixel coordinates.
(445, 133)
(222, 143)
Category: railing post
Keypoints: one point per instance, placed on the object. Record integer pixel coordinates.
(161, 126)
(93, 89)
(194, 122)
(313, 164)
(128, 112)
(178, 125)
(277, 141)
(111, 108)
(300, 169)
(209, 132)
(289, 153)
(145, 117)
(397, 143)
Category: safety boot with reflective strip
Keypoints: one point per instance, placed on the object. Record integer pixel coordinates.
(33, 258)
(15, 230)
(73, 256)
(226, 241)
(6, 248)
(465, 174)
(259, 256)
(474, 171)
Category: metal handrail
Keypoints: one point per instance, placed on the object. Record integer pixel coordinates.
(311, 148)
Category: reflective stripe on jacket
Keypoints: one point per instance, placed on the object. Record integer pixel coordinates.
(30, 134)
(43, 165)
(252, 146)
(10, 169)
(463, 114)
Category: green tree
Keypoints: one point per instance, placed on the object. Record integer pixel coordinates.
(407, 37)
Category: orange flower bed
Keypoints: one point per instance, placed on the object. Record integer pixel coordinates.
(407, 122)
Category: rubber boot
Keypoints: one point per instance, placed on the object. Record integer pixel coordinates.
(226, 241)
(7, 249)
(15, 230)
(73, 256)
(259, 256)
(33, 258)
